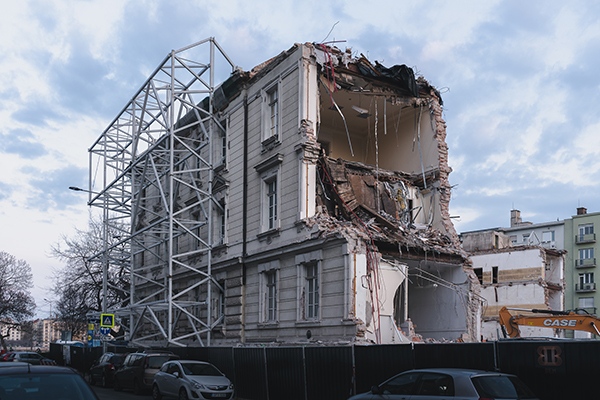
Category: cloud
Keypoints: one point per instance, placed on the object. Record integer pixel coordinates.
(21, 142)
(49, 189)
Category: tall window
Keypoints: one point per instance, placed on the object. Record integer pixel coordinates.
(272, 202)
(311, 290)
(273, 110)
(271, 113)
(221, 219)
(271, 293)
(494, 274)
(269, 171)
(223, 149)
(479, 274)
(268, 276)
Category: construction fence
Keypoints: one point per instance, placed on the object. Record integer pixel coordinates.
(554, 369)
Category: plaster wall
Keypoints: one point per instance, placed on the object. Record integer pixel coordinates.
(439, 310)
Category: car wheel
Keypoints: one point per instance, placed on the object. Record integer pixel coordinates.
(183, 394)
(137, 388)
(117, 385)
(156, 392)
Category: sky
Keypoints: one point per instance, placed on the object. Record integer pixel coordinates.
(519, 81)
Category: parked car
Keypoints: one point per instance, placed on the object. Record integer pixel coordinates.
(431, 384)
(103, 369)
(43, 382)
(7, 356)
(138, 370)
(12, 365)
(188, 379)
(31, 357)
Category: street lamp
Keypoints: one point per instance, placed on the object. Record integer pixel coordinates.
(49, 303)
(104, 249)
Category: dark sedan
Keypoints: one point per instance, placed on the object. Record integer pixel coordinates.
(102, 372)
(449, 383)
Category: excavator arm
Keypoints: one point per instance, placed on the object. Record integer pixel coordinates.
(553, 319)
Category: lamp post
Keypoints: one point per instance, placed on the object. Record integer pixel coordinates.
(48, 336)
(50, 304)
(104, 251)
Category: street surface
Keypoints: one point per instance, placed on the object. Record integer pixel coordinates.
(111, 394)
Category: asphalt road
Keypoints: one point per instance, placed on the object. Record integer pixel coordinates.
(111, 394)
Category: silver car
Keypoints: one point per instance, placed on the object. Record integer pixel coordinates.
(449, 383)
(189, 379)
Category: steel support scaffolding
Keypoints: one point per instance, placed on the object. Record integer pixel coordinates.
(152, 174)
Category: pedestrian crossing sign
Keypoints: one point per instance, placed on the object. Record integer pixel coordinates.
(107, 320)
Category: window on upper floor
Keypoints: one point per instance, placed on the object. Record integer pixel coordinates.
(494, 274)
(513, 239)
(310, 298)
(585, 233)
(547, 236)
(271, 202)
(586, 229)
(270, 176)
(587, 277)
(585, 254)
(271, 295)
(586, 302)
(271, 113)
(221, 222)
(269, 282)
(526, 238)
(221, 147)
(479, 274)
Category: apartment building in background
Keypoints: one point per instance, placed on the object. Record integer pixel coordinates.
(45, 331)
(303, 201)
(574, 238)
(519, 277)
(580, 240)
(10, 332)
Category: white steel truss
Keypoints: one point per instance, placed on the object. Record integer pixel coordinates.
(152, 174)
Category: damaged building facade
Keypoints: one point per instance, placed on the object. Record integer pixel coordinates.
(518, 271)
(306, 200)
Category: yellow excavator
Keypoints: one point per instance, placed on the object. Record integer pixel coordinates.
(569, 320)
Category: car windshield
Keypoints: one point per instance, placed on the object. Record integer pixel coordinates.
(44, 386)
(504, 387)
(200, 369)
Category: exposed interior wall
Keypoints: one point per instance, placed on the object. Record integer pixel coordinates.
(484, 240)
(395, 137)
(525, 278)
(392, 296)
(439, 304)
(385, 168)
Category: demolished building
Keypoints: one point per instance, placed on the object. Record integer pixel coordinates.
(518, 277)
(305, 200)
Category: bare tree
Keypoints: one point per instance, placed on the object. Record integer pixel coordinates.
(78, 284)
(16, 302)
